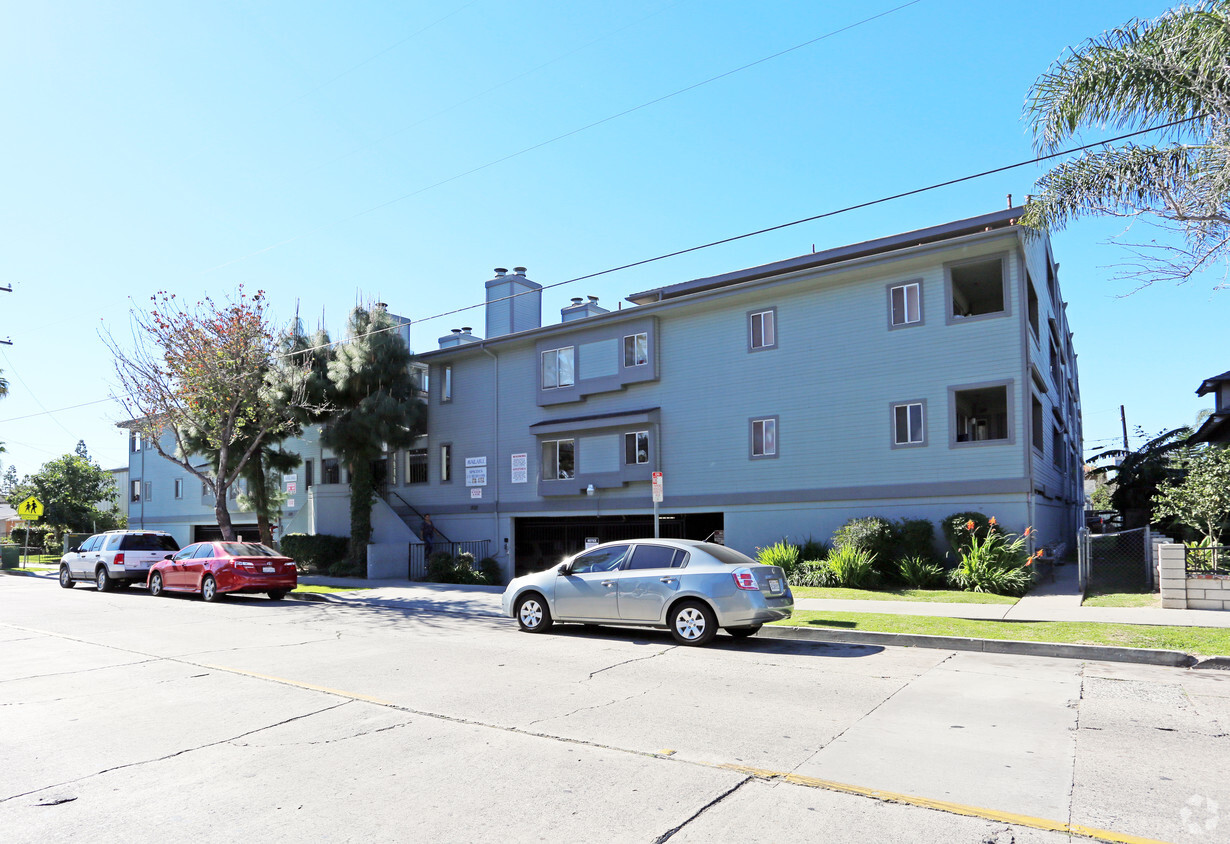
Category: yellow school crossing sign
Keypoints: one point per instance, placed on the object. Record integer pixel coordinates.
(30, 509)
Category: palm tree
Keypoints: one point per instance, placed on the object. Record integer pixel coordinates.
(4, 385)
(1172, 70)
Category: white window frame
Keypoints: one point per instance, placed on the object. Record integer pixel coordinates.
(446, 382)
(908, 318)
(557, 356)
(912, 437)
(179, 489)
(639, 349)
(639, 453)
(766, 320)
(446, 463)
(134, 491)
(768, 437)
(553, 463)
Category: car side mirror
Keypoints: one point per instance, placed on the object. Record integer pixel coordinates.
(73, 549)
(168, 557)
(563, 568)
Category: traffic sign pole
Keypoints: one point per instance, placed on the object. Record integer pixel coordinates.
(656, 483)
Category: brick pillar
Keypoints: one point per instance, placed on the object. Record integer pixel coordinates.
(1173, 567)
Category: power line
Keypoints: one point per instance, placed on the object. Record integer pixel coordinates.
(562, 136)
(57, 410)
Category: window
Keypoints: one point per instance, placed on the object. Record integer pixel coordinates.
(135, 495)
(416, 465)
(204, 551)
(905, 304)
(976, 288)
(761, 326)
(423, 374)
(557, 368)
(145, 542)
(600, 559)
(446, 387)
(656, 557)
(330, 471)
(204, 489)
(636, 447)
(148, 491)
(908, 424)
(1033, 306)
(981, 414)
(636, 350)
(134, 441)
(446, 462)
(307, 474)
(1058, 450)
(179, 488)
(186, 553)
(1039, 428)
(558, 460)
(764, 437)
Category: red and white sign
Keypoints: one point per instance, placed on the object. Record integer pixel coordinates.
(657, 487)
(476, 492)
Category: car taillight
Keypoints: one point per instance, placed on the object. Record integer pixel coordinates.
(119, 559)
(744, 579)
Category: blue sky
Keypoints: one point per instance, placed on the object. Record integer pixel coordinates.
(338, 153)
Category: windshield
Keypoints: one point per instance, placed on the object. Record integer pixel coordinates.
(729, 556)
(148, 542)
(247, 549)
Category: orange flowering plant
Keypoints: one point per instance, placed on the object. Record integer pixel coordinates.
(997, 562)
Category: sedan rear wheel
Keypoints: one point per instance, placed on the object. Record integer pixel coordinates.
(693, 623)
(66, 578)
(103, 580)
(532, 614)
(744, 632)
(209, 589)
(277, 594)
(155, 585)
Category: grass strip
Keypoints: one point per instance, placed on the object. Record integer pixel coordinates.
(942, 596)
(1124, 599)
(1205, 641)
(307, 587)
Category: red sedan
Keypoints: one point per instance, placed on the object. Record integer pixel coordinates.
(215, 568)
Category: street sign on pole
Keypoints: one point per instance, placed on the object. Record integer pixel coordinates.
(657, 499)
(30, 509)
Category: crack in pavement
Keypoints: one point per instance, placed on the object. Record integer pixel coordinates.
(176, 753)
(371, 732)
(666, 836)
(82, 670)
(262, 647)
(634, 659)
(1076, 733)
(597, 705)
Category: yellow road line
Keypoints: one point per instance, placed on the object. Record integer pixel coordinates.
(946, 806)
(299, 684)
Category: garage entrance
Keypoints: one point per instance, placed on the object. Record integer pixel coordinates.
(213, 533)
(542, 542)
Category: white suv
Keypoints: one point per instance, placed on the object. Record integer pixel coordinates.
(116, 558)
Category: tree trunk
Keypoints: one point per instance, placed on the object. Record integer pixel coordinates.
(260, 498)
(223, 514)
(360, 512)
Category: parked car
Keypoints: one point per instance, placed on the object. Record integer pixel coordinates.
(115, 558)
(690, 588)
(216, 568)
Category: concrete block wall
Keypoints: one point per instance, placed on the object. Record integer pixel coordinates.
(1180, 592)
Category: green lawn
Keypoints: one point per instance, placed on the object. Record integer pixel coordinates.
(929, 595)
(1207, 641)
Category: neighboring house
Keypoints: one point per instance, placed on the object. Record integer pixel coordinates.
(1215, 429)
(914, 376)
(119, 504)
(8, 518)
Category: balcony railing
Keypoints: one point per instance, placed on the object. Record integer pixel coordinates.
(1208, 561)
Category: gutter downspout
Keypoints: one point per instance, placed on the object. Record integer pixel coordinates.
(495, 450)
(1027, 389)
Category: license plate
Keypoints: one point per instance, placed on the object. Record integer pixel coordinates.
(775, 585)
(268, 569)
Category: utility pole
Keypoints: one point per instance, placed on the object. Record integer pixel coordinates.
(6, 341)
(1123, 419)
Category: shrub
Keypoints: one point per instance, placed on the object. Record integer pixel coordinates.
(813, 549)
(853, 568)
(872, 535)
(779, 554)
(813, 573)
(915, 538)
(920, 573)
(442, 567)
(37, 535)
(492, 574)
(315, 552)
(343, 568)
(995, 563)
(956, 532)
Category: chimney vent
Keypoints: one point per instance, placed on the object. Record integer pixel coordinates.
(456, 330)
(576, 300)
(500, 272)
(519, 270)
(593, 300)
(466, 329)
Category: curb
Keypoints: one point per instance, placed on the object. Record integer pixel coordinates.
(1215, 662)
(1101, 653)
(313, 598)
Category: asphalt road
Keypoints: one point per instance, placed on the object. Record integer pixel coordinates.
(129, 718)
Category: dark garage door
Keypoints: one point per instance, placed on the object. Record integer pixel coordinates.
(213, 533)
(543, 542)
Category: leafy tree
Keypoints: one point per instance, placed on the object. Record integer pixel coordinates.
(1142, 74)
(1202, 498)
(9, 481)
(375, 397)
(75, 491)
(1137, 474)
(200, 373)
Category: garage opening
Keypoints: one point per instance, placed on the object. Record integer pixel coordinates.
(540, 543)
(213, 533)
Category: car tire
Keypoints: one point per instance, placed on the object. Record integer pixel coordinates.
(155, 585)
(209, 589)
(693, 623)
(532, 613)
(103, 580)
(744, 632)
(66, 578)
(277, 594)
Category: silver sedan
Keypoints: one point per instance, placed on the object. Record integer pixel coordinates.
(690, 588)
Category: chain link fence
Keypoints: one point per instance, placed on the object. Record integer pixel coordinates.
(1116, 562)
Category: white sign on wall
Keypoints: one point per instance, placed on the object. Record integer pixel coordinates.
(290, 478)
(290, 502)
(476, 476)
(477, 492)
(291, 486)
(520, 468)
(472, 462)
